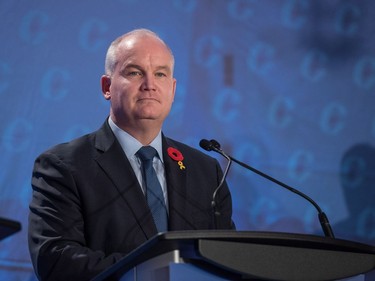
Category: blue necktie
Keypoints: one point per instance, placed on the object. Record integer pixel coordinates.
(154, 193)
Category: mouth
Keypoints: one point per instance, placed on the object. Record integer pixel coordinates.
(148, 99)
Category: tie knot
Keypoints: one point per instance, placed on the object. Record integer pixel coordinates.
(146, 153)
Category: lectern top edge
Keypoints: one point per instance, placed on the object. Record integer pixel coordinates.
(8, 227)
(296, 239)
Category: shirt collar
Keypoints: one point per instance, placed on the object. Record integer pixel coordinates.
(131, 145)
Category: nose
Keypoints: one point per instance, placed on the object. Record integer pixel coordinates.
(148, 82)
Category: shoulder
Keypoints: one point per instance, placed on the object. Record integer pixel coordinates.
(79, 144)
(86, 146)
(99, 140)
(66, 156)
(189, 152)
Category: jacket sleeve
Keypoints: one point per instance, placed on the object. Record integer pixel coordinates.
(57, 243)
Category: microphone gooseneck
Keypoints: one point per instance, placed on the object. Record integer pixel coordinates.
(209, 145)
(323, 219)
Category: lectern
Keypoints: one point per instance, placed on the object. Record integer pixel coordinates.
(242, 255)
(8, 227)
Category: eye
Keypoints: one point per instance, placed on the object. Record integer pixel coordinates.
(160, 74)
(134, 73)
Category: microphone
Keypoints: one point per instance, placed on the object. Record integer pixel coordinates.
(323, 219)
(209, 145)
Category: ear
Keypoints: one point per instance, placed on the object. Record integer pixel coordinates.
(105, 82)
(174, 88)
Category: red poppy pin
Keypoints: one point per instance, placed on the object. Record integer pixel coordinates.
(176, 155)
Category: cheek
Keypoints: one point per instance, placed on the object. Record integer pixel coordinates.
(121, 92)
(170, 90)
(168, 97)
(117, 98)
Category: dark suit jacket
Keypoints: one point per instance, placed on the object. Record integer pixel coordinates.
(88, 210)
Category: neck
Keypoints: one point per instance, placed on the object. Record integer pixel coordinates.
(145, 131)
(145, 138)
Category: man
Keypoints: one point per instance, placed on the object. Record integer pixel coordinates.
(89, 205)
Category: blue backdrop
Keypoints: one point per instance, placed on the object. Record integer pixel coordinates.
(287, 86)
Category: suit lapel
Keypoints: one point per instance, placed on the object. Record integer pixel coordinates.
(116, 166)
(179, 218)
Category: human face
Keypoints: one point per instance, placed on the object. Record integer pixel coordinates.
(141, 88)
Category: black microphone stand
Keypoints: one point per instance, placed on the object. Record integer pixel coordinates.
(205, 144)
(323, 219)
(214, 206)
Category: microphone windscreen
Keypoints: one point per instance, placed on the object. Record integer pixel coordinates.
(205, 144)
(215, 144)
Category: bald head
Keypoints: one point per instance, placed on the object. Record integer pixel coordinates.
(128, 39)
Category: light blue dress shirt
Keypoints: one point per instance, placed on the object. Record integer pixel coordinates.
(130, 146)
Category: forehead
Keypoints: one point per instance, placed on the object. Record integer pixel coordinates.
(144, 49)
